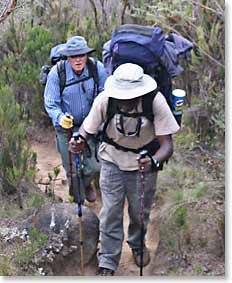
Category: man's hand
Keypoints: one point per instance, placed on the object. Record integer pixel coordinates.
(66, 121)
(76, 146)
(144, 164)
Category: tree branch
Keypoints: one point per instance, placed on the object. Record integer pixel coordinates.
(104, 15)
(95, 13)
(125, 5)
(163, 21)
(8, 10)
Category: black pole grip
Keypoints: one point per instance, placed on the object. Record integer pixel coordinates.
(76, 136)
(143, 153)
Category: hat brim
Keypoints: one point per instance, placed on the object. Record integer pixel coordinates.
(112, 89)
(71, 52)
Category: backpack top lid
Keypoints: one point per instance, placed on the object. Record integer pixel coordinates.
(146, 42)
(55, 54)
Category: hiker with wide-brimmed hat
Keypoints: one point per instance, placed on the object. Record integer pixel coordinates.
(84, 78)
(128, 129)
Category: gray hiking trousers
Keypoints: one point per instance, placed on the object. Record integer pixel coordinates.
(89, 164)
(116, 186)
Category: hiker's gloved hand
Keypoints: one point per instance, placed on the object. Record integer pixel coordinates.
(66, 121)
(144, 164)
(76, 146)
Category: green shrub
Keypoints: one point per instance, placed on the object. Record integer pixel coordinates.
(200, 190)
(5, 266)
(25, 253)
(15, 154)
(181, 217)
(36, 201)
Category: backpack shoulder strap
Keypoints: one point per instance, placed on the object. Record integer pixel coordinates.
(110, 112)
(147, 109)
(147, 104)
(93, 72)
(61, 74)
(111, 108)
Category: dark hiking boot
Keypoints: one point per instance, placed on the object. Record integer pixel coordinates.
(137, 256)
(102, 271)
(90, 194)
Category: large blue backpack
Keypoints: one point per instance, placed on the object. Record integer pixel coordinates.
(158, 54)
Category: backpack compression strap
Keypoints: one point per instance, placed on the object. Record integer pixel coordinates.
(93, 73)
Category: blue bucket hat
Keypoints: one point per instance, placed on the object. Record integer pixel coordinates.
(76, 45)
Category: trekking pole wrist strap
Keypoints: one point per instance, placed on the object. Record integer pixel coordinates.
(155, 164)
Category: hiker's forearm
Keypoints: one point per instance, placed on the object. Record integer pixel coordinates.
(166, 148)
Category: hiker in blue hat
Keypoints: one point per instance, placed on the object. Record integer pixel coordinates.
(135, 116)
(68, 104)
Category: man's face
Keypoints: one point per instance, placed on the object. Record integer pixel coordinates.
(78, 62)
(128, 104)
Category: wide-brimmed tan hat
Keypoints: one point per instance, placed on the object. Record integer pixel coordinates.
(129, 81)
(76, 45)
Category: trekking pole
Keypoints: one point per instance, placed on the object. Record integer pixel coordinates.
(142, 154)
(70, 158)
(78, 160)
(70, 163)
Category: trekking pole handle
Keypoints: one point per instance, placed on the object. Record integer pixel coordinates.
(78, 156)
(76, 136)
(143, 153)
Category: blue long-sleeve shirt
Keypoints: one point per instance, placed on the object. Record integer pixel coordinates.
(76, 99)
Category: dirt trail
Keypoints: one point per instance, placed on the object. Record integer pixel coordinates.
(47, 159)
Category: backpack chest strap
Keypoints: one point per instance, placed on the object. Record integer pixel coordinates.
(78, 81)
(131, 115)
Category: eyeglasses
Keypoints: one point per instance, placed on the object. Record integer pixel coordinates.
(120, 127)
(77, 56)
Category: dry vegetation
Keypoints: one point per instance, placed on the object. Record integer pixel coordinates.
(190, 199)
